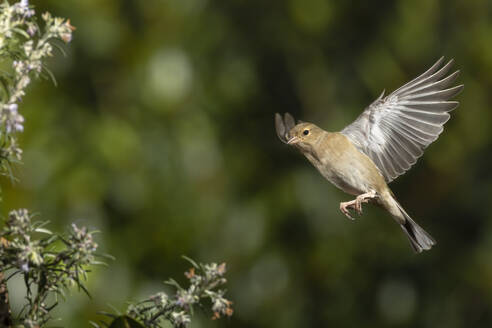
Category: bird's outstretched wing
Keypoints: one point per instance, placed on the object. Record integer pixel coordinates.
(394, 131)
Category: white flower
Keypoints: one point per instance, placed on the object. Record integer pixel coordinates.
(12, 119)
(160, 299)
(28, 47)
(181, 318)
(22, 8)
(32, 29)
(186, 297)
(25, 267)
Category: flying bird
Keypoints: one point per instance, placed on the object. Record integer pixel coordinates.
(381, 144)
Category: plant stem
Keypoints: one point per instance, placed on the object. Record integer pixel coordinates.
(5, 313)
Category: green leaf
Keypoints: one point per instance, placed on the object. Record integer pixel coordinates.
(191, 261)
(55, 44)
(50, 75)
(106, 256)
(82, 287)
(50, 240)
(42, 230)
(21, 32)
(5, 83)
(109, 314)
(96, 325)
(125, 322)
(174, 283)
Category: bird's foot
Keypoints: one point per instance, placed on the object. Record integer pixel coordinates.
(344, 206)
(364, 198)
(356, 204)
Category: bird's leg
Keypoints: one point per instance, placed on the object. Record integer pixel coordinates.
(356, 204)
(364, 198)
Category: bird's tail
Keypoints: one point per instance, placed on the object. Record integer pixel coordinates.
(418, 237)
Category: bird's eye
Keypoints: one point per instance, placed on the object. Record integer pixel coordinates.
(305, 132)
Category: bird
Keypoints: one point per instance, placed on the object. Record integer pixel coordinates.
(383, 142)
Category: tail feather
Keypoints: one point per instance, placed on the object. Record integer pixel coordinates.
(418, 237)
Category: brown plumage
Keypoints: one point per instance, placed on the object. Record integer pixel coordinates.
(384, 141)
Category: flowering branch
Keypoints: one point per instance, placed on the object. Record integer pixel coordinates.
(47, 274)
(161, 308)
(25, 45)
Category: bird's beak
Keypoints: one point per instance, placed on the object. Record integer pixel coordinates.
(293, 140)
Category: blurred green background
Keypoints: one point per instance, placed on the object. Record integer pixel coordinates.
(160, 134)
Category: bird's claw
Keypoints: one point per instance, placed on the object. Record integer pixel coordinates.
(356, 204)
(344, 206)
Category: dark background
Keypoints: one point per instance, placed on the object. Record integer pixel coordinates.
(160, 134)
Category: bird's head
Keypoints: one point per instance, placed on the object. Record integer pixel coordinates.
(301, 135)
(304, 135)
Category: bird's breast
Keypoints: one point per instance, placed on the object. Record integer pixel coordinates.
(339, 161)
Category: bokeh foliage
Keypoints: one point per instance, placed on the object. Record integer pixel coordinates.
(160, 134)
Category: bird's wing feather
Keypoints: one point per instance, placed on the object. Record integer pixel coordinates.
(283, 125)
(394, 131)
